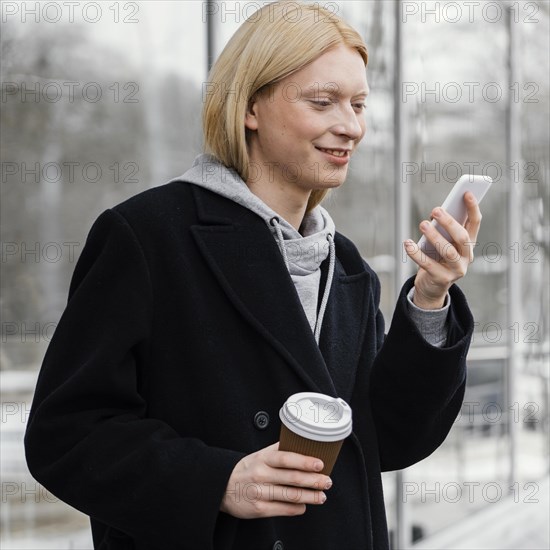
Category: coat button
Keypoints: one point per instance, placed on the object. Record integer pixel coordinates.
(278, 545)
(261, 420)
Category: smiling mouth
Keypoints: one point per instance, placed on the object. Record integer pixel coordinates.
(335, 152)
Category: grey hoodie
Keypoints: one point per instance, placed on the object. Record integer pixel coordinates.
(302, 252)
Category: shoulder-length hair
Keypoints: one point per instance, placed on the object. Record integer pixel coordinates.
(274, 42)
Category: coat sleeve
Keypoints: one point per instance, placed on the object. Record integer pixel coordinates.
(88, 439)
(416, 389)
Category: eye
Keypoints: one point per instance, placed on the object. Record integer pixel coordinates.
(360, 106)
(322, 103)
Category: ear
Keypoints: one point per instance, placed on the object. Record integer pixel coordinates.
(251, 115)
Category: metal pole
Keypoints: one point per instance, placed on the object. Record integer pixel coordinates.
(403, 533)
(210, 53)
(513, 155)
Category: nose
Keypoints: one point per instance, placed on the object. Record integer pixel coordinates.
(349, 124)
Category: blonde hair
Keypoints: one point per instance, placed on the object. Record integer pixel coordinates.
(274, 42)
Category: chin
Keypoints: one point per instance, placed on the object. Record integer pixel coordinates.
(334, 177)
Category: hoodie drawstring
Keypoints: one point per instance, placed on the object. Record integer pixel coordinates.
(327, 288)
(317, 332)
(275, 222)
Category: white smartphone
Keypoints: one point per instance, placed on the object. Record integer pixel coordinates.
(454, 205)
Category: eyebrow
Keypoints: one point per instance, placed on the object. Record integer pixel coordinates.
(329, 89)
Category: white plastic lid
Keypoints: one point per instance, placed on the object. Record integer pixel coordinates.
(317, 416)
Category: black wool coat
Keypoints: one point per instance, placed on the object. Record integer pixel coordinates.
(182, 337)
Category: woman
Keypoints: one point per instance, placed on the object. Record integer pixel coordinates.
(198, 307)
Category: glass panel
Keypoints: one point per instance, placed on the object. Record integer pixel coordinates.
(457, 94)
(363, 208)
(99, 102)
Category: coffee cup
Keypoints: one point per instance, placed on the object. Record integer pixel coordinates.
(315, 424)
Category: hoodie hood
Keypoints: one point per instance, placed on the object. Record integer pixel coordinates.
(303, 252)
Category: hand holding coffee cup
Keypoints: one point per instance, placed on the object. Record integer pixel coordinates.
(315, 424)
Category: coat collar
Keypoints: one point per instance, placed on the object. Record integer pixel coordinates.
(243, 255)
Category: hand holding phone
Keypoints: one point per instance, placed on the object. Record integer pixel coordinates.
(454, 205)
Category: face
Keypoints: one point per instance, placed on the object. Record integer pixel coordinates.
(303, 131)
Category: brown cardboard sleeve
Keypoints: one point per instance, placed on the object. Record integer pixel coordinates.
(327, 451)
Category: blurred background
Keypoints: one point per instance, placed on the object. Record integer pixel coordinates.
(100, 101)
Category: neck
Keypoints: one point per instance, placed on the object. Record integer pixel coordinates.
(285, 198)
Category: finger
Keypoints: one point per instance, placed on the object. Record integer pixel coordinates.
(462, 245)
(274, 509)
(294, 469)
(445, 249)
(294, 461)
(465, 241)
(456, 231)
(299, 478)
(431, 265)
(474, 215)
(261, 496)
(257, 494)
(294, 495)
(254, 493)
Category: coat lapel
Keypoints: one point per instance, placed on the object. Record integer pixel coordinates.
(344, 324)
(244, 257)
